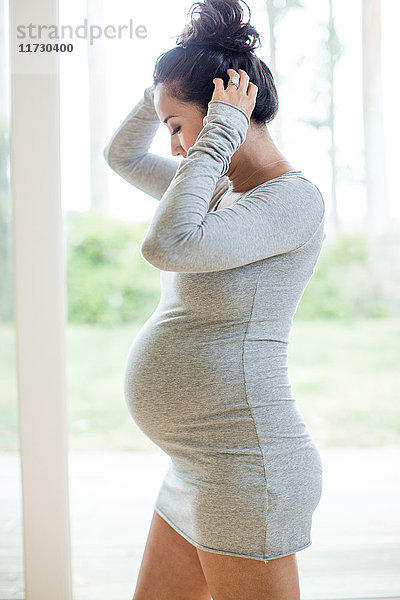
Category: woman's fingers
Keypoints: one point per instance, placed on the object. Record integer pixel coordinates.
(244, 80)
(242, 96)
(252, 91)
(219, 84)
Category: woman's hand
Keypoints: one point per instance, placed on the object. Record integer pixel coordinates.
(244, 96)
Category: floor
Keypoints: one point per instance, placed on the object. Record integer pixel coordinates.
(356, 527)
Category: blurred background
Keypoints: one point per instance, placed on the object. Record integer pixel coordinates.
(336, 69)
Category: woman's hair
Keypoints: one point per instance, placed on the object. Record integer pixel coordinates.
(217, 40)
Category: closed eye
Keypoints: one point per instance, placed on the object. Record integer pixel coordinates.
(175, 130)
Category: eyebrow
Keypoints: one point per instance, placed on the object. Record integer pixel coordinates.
(170, 117)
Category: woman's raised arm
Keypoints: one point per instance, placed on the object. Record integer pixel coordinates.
(277, 217)
(127, 151)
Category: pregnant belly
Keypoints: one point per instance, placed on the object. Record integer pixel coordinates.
(195, 385)
(175, 371)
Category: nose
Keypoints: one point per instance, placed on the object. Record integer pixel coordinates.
(176, 149)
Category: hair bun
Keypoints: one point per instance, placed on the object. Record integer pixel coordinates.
(219, 25)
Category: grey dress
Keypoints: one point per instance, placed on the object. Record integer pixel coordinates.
(206, 377)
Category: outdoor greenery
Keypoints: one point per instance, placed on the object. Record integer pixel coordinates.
(343, 355)
(343, 374)
(107, 279)
(109, 282)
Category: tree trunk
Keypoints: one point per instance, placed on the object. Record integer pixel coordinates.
(383, 245)
(334, 54)
(275, 125)
(97, 111)
(377, 199)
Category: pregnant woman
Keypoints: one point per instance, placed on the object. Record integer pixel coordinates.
(236, 236)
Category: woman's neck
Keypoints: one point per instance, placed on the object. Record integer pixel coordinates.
(256, 161)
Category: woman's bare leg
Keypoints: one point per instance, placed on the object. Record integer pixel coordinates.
(236, 578)
(170, 567)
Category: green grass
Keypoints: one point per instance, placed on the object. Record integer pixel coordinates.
(344, 376)
(345, 379)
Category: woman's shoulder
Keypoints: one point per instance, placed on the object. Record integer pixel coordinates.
(293, 185)
(291, 201)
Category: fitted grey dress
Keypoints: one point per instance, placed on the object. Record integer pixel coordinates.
(206, 377)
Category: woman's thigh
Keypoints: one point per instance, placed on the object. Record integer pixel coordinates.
(236, 578)
(170, 567)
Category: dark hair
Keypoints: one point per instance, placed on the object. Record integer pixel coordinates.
(217, 40)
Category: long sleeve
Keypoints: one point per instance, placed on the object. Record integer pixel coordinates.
(127, 151)
(277, 217)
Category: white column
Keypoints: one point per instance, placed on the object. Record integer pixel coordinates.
(40, 306)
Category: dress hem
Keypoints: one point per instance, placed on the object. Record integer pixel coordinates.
(202, 547)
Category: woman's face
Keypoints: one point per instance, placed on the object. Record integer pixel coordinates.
(184, 120)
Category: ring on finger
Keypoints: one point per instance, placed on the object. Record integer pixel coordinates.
(234, 81)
